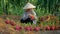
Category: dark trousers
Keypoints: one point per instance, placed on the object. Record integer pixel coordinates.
(28, 20)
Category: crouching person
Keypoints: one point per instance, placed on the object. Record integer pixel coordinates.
(29, 16)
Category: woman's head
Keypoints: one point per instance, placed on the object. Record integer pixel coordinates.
(28, 10)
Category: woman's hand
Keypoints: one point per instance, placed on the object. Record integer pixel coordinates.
(32, 16)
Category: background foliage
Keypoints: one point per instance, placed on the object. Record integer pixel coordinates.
(43, 7)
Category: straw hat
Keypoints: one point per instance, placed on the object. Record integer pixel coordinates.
(28, 6)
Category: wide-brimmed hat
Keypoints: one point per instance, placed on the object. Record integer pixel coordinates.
(29, 6)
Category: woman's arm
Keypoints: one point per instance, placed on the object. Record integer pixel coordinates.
(34, 14)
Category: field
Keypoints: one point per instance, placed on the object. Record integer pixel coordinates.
(48, 13)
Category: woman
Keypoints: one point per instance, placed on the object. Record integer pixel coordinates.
(29, 15)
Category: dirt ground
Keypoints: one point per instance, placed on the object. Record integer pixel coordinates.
(8, 29)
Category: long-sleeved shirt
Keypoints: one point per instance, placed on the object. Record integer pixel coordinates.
(26, 15)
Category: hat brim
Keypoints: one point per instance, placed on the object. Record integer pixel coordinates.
(29, 7)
